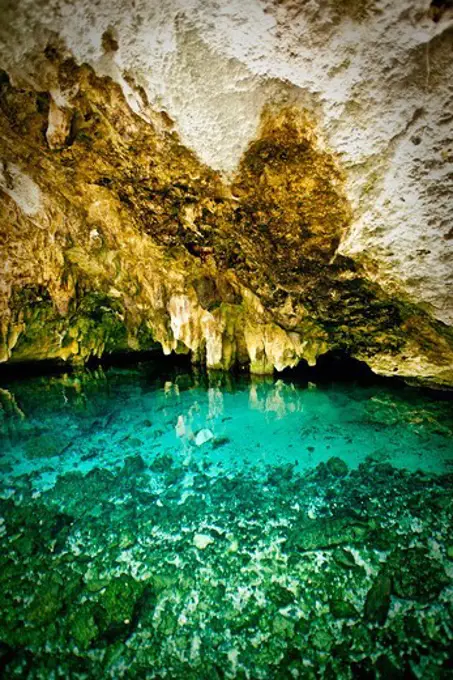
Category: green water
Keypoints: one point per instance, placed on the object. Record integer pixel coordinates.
(160, 523)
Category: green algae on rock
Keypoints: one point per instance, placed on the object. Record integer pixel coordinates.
(187, 617)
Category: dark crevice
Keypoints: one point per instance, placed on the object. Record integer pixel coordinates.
(21, 370)
(332, 367)
(337, 366)
(438, 9)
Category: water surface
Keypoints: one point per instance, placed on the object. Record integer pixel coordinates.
(159, 522)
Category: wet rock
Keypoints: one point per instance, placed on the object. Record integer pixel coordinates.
(24, 545)
(282, 611)
(162, 463)
(203, 436)
(388, 669)
(280, 475)
(363, 670)
(82, 626)
(134, 443)
(417, 576)
(95, 585)
(47, 601)
(283, 627)
(46, 446)
(201, 541)
(342, 609)
(322, 640)
(220, 441)
(6, 655)
(377, 601)
(320, 473)
(344, 558)
(337, 467)
(326, 532)
(118, 601)
(134, 465)
(280, 595)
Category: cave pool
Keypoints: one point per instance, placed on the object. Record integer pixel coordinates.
(158, 521)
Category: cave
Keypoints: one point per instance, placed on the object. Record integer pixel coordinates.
(226, 339)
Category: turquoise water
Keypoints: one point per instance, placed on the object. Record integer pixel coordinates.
(160, 522)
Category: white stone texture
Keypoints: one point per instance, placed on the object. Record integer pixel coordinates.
(380, 86)
(21, 188)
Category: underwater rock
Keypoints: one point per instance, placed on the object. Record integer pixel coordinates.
(280, 595)
(46, 446)
(220, 441)
(162, 463)
(100, 571)
(388, 669)
(82, 625)
(203, 436)
(201, 541)
(322, 640)
(341, 609)
(283, 627)
(117, 602)
(134, 465)
(337, 467)
(327, 532)
(344, 558)
(47, 601)
(131, 584)
(416, 575)
(377, 603)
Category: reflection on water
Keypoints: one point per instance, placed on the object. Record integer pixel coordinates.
(79, 421)
(163, 523)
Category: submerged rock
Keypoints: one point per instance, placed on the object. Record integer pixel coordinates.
(337, 467)
(82, 625)
(344, 558)
(342, 609)
(180, 562)
(327, 532)
(203, 436)
(201, 541)
(416, 575)
(46, 446)
(377, 603)
(220, 441)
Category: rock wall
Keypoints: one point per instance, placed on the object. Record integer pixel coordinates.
(254, 183)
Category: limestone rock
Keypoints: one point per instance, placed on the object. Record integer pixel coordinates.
(341, 609)
(377, 602)
(201, 541)
(416, 575)
(337, 467)
(59, 126)
(203, 436)
(327, 532)
(252, 184)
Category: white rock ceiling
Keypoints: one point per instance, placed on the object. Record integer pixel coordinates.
(378, 80)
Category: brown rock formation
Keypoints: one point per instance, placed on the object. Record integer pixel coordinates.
(115, 236)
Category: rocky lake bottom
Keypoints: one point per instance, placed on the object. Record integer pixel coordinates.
(157, 522)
